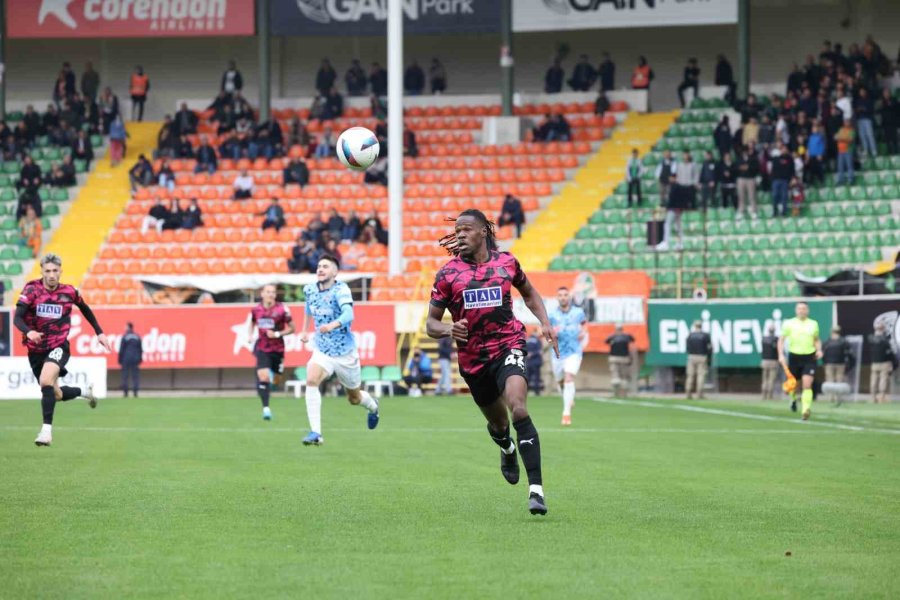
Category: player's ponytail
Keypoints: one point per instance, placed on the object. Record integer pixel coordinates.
(448, 242)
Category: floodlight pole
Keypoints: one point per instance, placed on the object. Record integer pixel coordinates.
(506, 56)
(265, 69)
(395, 136)
(2, 59)
(743, 49)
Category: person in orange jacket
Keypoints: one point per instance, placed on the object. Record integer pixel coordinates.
(140, 85)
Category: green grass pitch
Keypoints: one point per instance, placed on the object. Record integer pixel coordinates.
(199, 498)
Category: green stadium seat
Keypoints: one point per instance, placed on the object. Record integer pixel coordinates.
(15, 269)
(96, 141)
(8, 253)
(12, 167)
(44, 194)
(51, 210)
(557, 264)
(59, 194)
(24, 253)
(370, 373)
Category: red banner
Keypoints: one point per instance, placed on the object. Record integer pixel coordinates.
(203, 337)
(128, 18)
(608, 298)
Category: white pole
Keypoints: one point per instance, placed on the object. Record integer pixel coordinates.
(395, 135)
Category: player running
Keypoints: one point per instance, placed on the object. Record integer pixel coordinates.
(475, 286)
(804, 348)
(273, 320)
(330, 305)
(568, 322)
(43, 315)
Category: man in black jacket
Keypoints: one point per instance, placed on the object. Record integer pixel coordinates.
(206, 157)
(414, 79)
(185, 121)
(553, 78)
(297, 172)
(837, 357)
(782, 170)
(708, 181)
(325, 77)
(584, 75)
(607, 73)
(747, 168)
(356, 80)
(131, 353)
(725, 76)
(883, 363)
(622, 354)
(769, 364)
(691, 80)
(82, 148)
(726, 177)
(699, 351)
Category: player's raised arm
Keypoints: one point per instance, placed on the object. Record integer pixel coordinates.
(535, 304)
(92, 319)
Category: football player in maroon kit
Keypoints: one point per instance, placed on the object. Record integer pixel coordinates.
(273, 320)
(476, 287)
(43, 315)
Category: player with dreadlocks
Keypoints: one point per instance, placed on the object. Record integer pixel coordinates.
(476, 287)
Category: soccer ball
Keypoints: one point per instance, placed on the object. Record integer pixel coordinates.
(358, 148)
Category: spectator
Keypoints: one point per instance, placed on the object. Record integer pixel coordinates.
(607, 73)
(747, 170)
(49, 119)
(722, 137)
(260, 145)
(796, 78)
(683, 196)
(29, 199)
(782, 171)
(166, 139)
(833, 124)
(378, 80)
(583, 76)
(183, 148)
(192, 218)
(230, 147)
(185, 121)
(273, 216)
(601, 104)
(109, 109)
(418, 372)
(155, 217)
(725, 77)
(379, 108)
(118, 137)
(64, 174)
(844, 138)
(750, 109)
(534, 361)
(231, 80)
(445, 355)
(634, 170)
(334, 105)
(438, 76)
(140, 85)
(708, 181)
(560, 130)
(243, 185)
(175, 217)
(864, 108)
(844, 102)
(690, 81)
(355, 78)
(30, 176)
(82, 148)
(751, 132)
(296, 172)
(131, 355)
(665, 175)
(206, 157)
(30, 231)
(325, 77)
(90, 81)
(642, 75)
(410, 146)
(798, 195)
(622, 360)
(837, 357)
(377, 173)
(141, 174)
(554, 77)
(335, 224)
(765, 134)
(325, 147)
(302, 255)
(241, 108)
(351, 228)
(165, 177)
(299, 134)
(60, 89)
(373, 231)
(330, 247)
(511, 213)
(889, 110)
(225, 121)
(414, 79)
(699, 350)
(726, 177)
(884, 361)
(815, 153)
(314, 229)
(32, 121)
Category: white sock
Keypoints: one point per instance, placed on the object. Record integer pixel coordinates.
(536, 489)
(314, 408)
(46, 428)
(368, 402)
(568, 397)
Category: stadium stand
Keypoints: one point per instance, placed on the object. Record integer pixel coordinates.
(452, 171)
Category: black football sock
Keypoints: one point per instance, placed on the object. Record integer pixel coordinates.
(529, 449)
(48, 403)
(69, 393)
(262, 389)
(502, 439)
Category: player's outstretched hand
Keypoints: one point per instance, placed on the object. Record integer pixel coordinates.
(304, 337)
(34, 336)
(460, 330)
(550, 336)
(104, 341)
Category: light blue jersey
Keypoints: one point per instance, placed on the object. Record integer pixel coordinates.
(325, 306)
(569, 323)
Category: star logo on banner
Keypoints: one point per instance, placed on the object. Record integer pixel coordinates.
(242, 337)
(59, 9)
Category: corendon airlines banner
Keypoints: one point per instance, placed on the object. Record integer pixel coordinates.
(128, 18)
(369, 17)
(552, 15)
(218, 336)
(608, 298)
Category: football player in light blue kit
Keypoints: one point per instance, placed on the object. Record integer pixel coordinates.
(569, 322)
(330, 304)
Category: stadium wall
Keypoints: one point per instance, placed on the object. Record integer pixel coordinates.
(782, 32)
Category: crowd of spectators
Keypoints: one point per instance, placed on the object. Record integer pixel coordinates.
(175, 216)
(326, 232)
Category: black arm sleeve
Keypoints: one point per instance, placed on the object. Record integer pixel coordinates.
(19, 319)
(89, 315)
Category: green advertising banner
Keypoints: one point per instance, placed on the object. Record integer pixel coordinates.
(736, 328)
